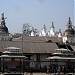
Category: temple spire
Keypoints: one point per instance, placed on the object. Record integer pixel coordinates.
(69, 24)
(3, 19)
(52, 30)
(60, 33)
(3, 28)
(32, 32)
(52, 25)
(43, 32)
(2, 16)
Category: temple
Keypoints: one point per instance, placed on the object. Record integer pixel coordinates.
(44, 53)
(69, 33)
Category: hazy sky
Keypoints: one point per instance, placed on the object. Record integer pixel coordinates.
(37, 13)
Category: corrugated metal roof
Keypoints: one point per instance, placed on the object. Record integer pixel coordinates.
(30, 47)
(33, 45)
(36, 38)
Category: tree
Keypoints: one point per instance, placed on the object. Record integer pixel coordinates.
(26, 29)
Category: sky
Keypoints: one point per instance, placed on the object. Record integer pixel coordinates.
(37, 13)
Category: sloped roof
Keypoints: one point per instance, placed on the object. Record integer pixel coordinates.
(53, 39)
(61, 58)
(6, 52)
(12, 48)
(29, 47)
(29, 38)
(36, 39)
(73, 47)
